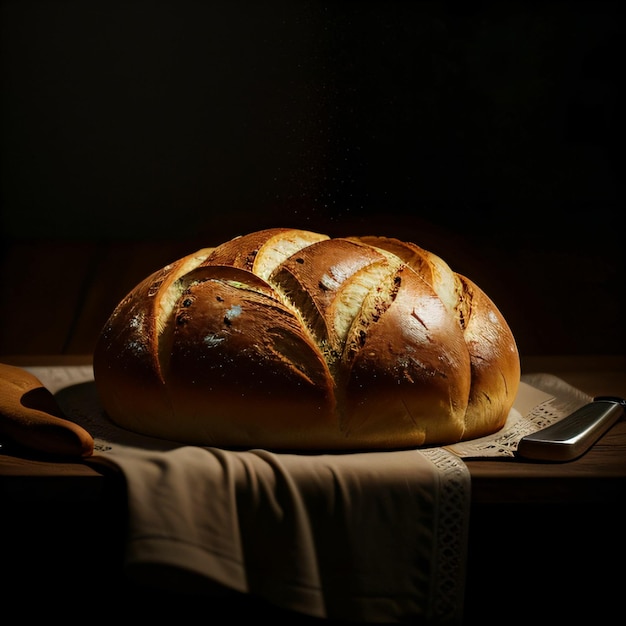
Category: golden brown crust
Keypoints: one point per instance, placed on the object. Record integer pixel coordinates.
(257, 363)
(494, 362)
(408, 370)
(288, 339)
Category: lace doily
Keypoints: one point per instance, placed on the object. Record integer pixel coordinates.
(542, 400)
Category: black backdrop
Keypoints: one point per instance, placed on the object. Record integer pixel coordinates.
(489, 131)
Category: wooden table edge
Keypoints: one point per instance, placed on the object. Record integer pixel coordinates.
(599, 475)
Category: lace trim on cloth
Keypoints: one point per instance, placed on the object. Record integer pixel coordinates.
(452, 534)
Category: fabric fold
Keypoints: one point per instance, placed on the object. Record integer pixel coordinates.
(370, 537)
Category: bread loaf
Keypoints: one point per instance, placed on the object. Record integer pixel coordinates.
(291, 340)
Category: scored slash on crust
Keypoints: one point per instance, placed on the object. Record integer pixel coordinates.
(288, 338)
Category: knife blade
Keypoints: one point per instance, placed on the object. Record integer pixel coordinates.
(572, 436)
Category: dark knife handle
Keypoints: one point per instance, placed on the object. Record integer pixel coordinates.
(573, 435)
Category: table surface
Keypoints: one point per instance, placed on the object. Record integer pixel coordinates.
(597, 476)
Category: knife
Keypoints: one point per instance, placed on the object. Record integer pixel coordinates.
(573, 435)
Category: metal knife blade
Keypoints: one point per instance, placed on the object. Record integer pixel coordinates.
(573, 435)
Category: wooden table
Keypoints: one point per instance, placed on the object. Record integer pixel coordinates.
(535, 528)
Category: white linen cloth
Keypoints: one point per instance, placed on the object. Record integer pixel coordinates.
(375, 537)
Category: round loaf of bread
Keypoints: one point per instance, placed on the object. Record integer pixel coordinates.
(288, 339)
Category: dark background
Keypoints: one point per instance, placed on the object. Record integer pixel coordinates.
(487, 132)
